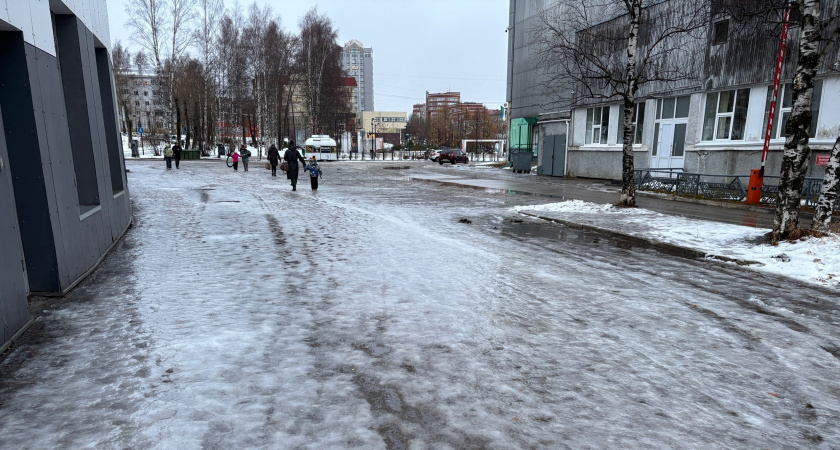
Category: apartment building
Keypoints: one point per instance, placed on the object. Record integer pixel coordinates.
(712, 124)
(357, 62)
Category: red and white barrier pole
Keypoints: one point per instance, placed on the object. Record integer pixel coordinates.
(757, 175)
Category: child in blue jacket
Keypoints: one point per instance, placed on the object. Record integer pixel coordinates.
(314, 172)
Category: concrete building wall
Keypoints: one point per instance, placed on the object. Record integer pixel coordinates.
(13, 281)
(61, 147)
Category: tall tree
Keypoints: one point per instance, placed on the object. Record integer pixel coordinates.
(121, 60)
(147, 20)
(829, 191)
(813, 45)
(319, 57)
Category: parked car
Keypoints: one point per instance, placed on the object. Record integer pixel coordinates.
(453, 156)
(434, 155)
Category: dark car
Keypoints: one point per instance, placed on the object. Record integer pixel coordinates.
(453, 156)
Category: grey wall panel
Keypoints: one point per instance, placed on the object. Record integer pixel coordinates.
(75, 77)
(54, 140)
(13, 284)
(25, 163)
(86, 240)
(113, 143)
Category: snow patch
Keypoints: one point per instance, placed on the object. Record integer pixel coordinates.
(814, 260)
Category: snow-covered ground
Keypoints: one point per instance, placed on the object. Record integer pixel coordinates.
(814, 260)
(383, 313)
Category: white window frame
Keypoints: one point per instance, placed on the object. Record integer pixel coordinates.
(724, 115)
(594, 130)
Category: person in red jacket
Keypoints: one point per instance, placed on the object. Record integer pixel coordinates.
(235, 157)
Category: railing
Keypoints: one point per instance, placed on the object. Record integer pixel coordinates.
(717, 187)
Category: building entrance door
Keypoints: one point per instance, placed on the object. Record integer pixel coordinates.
(669, 151)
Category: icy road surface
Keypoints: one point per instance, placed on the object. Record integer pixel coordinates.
(239, 314)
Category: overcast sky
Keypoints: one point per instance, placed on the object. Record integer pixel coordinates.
(418, 45)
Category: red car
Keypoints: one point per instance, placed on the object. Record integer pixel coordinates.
(453, 156)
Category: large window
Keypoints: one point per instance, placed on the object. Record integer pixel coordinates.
(597, 125)
(726, 115)
(784, 104)
(638, 123)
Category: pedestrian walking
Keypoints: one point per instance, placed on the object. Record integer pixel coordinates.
(314, 173)
(246, 155)
(135, 153)
(273, 159)
(167, 156)
(176, 155)
(235, 157)
(292, 156)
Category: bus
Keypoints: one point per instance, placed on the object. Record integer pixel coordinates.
(322, 147)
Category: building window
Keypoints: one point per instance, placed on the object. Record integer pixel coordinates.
(726, 115)
(638, 118)
(783, 106)
(721, 32)
(597, 125)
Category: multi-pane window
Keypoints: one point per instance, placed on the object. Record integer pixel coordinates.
(784, 104)
(597, 125)
(726, 115)
(638, 118)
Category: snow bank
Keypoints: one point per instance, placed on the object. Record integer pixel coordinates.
(814, 260)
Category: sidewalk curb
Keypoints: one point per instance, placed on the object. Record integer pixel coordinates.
(672, 249)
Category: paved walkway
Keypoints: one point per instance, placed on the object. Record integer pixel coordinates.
(604, 192)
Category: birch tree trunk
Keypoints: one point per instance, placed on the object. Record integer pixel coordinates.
(828, 192)
(797, 150)
(628, 186)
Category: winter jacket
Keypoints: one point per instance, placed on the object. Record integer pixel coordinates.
(313, 169)
(245, 154)
(167, 151)
(273, 155)
(293, 156)
(176, 151)
(235, 156)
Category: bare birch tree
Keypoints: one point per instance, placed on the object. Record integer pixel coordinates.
(121, 61)
(595, 51)
(320, 59)
(147, 20)
(813, 45)
(828, 192)
(206, 31)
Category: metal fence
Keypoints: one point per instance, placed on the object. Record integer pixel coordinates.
(718, 187)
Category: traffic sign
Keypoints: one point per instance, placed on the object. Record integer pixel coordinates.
(140, 130)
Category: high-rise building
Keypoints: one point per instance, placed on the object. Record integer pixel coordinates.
(357, 61)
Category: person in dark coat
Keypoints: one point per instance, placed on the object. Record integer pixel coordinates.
(293, 156)
(273, 159)
(176, 155)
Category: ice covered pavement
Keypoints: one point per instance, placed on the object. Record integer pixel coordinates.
(813, 260)
(238, 314)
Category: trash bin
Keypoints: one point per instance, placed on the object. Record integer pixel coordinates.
(520, 160)
(191, 154)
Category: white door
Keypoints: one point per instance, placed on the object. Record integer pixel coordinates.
(662, 156)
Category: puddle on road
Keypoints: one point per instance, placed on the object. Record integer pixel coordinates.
(562, 233)
(489, 190)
